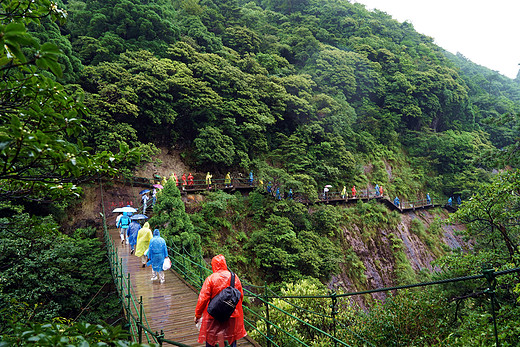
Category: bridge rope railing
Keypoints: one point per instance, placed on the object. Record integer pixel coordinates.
(258, 303)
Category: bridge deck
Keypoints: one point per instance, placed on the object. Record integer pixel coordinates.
(169, 306)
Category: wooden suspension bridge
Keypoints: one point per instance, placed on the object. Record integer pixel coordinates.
(169, 307)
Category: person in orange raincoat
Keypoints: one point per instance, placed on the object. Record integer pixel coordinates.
(190, 180)
(211, 330)
(354, 191)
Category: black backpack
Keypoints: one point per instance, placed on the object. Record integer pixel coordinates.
(222, 306)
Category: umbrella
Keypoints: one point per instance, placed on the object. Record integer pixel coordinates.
(158, 186)
(144, 191)
(328, 186)
(138, 217)
(124, 209)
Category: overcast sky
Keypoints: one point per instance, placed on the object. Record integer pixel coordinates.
(486, 32)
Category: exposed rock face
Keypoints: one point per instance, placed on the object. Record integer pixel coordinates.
(378, 253)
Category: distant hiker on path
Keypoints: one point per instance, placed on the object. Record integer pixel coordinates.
(227, 180)
(190, 180)
(184, 183)
(208, 180)
(354, 191)
(344, 192)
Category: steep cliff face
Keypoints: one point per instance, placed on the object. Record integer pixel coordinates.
(395, 255)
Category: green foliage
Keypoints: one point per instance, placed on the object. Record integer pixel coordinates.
(63, 333)
(311, 311)
(409, 318)
(54, 275)
(491, 214)
(170, 215)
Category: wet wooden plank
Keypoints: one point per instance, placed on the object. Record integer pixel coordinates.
(169, 306)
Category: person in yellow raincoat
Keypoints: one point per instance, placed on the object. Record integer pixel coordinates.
(227, 180)
(344, 192)
(143, 241)
(208, 180)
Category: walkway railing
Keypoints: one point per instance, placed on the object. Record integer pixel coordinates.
(195, 269)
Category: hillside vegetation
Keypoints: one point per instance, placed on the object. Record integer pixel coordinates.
(302, 93)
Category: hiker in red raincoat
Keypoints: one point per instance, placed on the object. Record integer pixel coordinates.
(354, 191)
(176, 179)
(190, 180)
(183, 181)
(211, 330)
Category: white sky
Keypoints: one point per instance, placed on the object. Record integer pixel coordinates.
(486, 32)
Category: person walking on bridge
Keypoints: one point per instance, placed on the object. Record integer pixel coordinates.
(190, 180)
(428, 199)
(344, 192)
(377, 189)
(143, 242)
(123, 223)
(133, 230)
(157, 253)
(354, 191)
(213, 331)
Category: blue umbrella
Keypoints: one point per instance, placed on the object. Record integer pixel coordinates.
(138, 217)
(144, 191)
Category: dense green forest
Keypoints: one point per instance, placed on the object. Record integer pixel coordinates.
(303, 93)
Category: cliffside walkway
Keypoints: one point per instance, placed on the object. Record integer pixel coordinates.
(243, 184)
(169, 307)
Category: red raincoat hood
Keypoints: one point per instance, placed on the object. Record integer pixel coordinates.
(218, 263)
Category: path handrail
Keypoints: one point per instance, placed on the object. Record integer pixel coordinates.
(195, 269)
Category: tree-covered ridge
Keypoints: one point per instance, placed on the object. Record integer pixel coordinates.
(235, 82)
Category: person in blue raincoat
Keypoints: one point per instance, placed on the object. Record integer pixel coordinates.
(157, 252)
(459, 200)
(377, 189)
(251, 178)
(123, 223)
(131, 232)
(289, 195)
(450, 201)
(278, 194)
(396, 201)
(269, 187)
(428, 199)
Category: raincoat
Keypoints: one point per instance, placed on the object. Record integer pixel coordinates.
(190, 179)
(344, 192)
(377, 189)
(157, 251)
(211, 330)
(132, 231)
(143, 240)
(208, 179)
(354, 191)
(124, 221)
(184, 179)
(227, 180)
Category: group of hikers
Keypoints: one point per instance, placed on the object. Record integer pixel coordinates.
(152, 251)
(151, 248)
